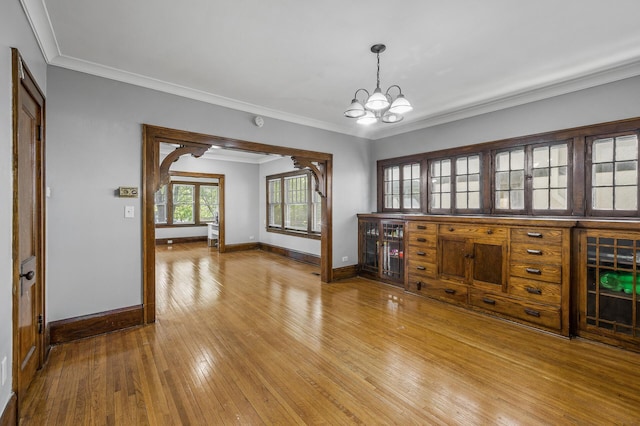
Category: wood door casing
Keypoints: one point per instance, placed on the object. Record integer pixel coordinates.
(28, 228)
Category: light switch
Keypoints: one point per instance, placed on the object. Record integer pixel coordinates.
(129, 212)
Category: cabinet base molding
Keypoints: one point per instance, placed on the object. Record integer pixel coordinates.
(84, 326)
(10, 413)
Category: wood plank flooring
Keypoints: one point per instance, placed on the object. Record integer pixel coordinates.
(253, 338)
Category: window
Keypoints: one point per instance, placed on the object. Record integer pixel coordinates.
(292, 205)
(402, 187)
(614, 174)
(533, 179)
(186, 203)
(454, 184)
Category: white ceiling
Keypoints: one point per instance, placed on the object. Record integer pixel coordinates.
(302, 61)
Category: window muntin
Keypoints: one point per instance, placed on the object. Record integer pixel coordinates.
(550, 177)
(614, 173)
(274, 203)
(160, 205)
(293, 206)
(401, 187)
(411, 186)
(209, 201)
(467, 183)
(509, 180)
(296, 202)
(440, 184)
(186, 203)
(183, 204)
(392, 187)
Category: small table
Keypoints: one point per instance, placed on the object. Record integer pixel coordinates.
(212, 234)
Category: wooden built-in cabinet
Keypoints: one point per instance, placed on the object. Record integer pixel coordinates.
(381, 250)
(566, 276)
(609, 285)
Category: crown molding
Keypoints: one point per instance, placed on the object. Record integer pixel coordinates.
(608, 70)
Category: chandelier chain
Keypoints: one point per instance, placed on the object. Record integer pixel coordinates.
(378, 74)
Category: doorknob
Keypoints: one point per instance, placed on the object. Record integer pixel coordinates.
(29, 275)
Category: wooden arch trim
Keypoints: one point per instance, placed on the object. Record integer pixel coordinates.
(318, 170)
(184, 149)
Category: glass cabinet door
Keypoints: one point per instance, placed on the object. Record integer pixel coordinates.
(613, 285)
(369, 234)
(393, 250)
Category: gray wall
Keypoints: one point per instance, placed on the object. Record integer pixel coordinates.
(94, 146)
(14, 32)
(609, 102)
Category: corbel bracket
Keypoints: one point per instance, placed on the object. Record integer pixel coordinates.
(184, 149)
(318, 170)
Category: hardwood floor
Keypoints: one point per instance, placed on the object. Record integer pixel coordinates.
(253, 338)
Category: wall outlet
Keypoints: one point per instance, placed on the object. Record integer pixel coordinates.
(169, 241)
(251, 237)
(3, 370)
(345, 258)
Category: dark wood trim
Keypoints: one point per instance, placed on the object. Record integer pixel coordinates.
(152, 136)
(311, 259)
(29, 84)
(180, 240)
(9, 415)
(84, 326)
(345, 272)
(241, 247)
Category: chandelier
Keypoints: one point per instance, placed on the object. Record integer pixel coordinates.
(378, 106)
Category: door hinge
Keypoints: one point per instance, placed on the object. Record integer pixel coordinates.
(40, 321)
(39, 133)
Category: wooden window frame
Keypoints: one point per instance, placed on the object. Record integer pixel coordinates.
(578, 171)
(196, 204)
(453, 208)
(282, 229)
(381, 190)
(589, 177)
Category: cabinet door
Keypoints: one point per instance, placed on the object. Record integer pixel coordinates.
(453, 257)
(488, 265)
(369, 234)
(392, 243)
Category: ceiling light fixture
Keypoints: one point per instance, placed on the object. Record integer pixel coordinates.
(379, 106)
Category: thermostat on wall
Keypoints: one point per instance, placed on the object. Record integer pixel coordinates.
(127, 192)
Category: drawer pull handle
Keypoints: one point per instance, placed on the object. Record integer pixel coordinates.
(488, 301)
(489, 231)
(534, 234)
(532, 312)
(533, 290)
(449, 291)
(536, 252)
(451, 229)
(421, 240)
(419, 285)
(421, 227)
(420, 268)
(421, 253)
(534, 271)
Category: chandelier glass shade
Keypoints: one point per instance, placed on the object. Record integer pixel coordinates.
(378, 106)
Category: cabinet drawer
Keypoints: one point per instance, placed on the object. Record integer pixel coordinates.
(421, 239)
(473, 231)
(534, 313)
(538, 272)
(549, 254)
(422, 227)
(422, 254)
(538, 291)
(447, 292)
(540, 235)
(421, 269)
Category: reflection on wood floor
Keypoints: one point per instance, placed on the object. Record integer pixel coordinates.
(253, 338)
